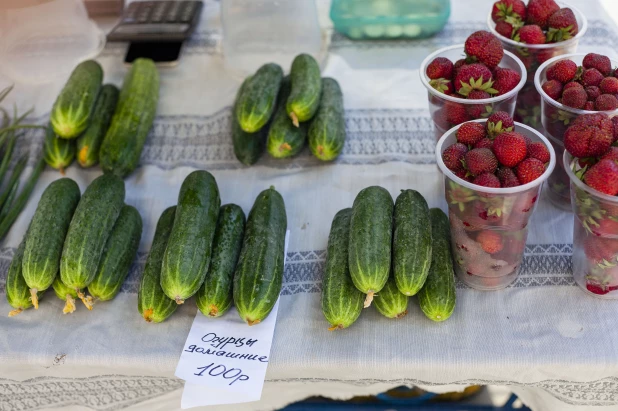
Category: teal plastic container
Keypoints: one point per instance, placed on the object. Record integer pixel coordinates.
(389, 19)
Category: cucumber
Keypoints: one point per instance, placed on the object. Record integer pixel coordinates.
(89, 143)
(259, 272)
(74, 106)
(215, 296)
(257, 101)
(304, 99)
(132, 120)
(390, 302)
(89, 230)
(17, 291)
(371, 229)
(45, 239)
(327, 129)
(284, 138)
(188, 251)
(248, 147)
(66, 294)
(120, 251)
(152, 303)
(411, 242)
(342, 303)
(58, 152)
(437, 297)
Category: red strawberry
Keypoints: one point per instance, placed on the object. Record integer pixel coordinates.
(564, 71)
(591, 77)
(481, 160)
(531, 34)
(603, 176)
(553, 88)
(499, 122)
(510, 148)
(593, 92)
(598, 249)
(473, 77)
(443, 86)
(590, 135)
(455, 113)
(529, 170)
(484, 47)
(609, 85)
(453, 156)
(539, 12)
(615, 123)
(490, 241)
(487, 180)
(469, 133)
(543, 55)
(484, 143)
(572, 84)
(599, 62)
(505, 80)
(508, 8)
(550, 74)
(458, 64)
(574, 97)
(507, 177)
(505, 29)
(440, 67)
(589, 106)
(463, 174)
(539, 151)
(612, 154)
(562, 25)
(478, 110)
(606, 102)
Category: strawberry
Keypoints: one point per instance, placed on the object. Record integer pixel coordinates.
(539, 12)
(564, 71)
(505, 29)
(503, 9)
(612, 154)
(550, 74)
(455, 113)
(481, 160)
(453, 156)
(599, 249)
(505, 80)
(487, 180)
(507, 177)
(606, 102)
(572, 84)
(615, 124)
(510, 148)
(562, 25)
(605, 227)
(440, 67)
(591, 77)
(490, 241)
(529, 170)
(553, 88)
(484, 143)
(574, 97)
(602, 63)
(539, 151)
(603, 176)
(609, 85)
(478, 110)
(530, 34)
(469, 133)
(499, 122)
(589, 106)
(543, 55)
(458, 64)
(593, 92)
(590, 135)
(463, 174)
(473, 77)
(485, 48)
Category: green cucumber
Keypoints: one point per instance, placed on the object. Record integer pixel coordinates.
(137, 105)
(437, 297)
(89, 143)
(17, 291)
(390, 302)
(215, 296)
(371, 230)
(75, 103)
(327, 129)
(411, 242)
(45, 239)
(342, 303)
(89, 230)
(152, 303)
(187, 256)
(120, 251)
(257, 101)
(304, 99)
(59, 153)
(259, 272)
(66, 294)
(248, 147)
(284, 138)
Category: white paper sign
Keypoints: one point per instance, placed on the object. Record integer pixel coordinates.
(224, 360)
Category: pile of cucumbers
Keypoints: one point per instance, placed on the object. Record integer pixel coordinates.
(76, 244)
(204, 249)
(384, 253)
(99, 123)
(279, 114)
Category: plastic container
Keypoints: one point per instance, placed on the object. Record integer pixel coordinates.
(489, 226)
(442, 106)
(389, 19)
(256, 32)
(558, 183)
(41, 43)
(595, 237)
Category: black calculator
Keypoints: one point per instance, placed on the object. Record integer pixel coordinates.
(157, 21)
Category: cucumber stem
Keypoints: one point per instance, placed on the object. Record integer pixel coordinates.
(213, 311)
(253, 322)
(294, 118)
(34, 298)
(401, 315)
(336, 327)
(179, 300)
(87, 300)
(13, 313)
(69, 306)
(369, 298)
(148, 315)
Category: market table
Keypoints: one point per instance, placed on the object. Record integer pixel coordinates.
(554, 346)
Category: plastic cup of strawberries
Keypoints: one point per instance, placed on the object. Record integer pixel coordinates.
(471, 81)
(493, 171)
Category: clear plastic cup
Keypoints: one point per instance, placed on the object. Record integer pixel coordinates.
(595, 237)
(489, 226)
(558, 183)
(448, 111)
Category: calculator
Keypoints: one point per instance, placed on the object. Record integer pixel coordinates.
(157, 21)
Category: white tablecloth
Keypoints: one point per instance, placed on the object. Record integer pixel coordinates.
(556, 347)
